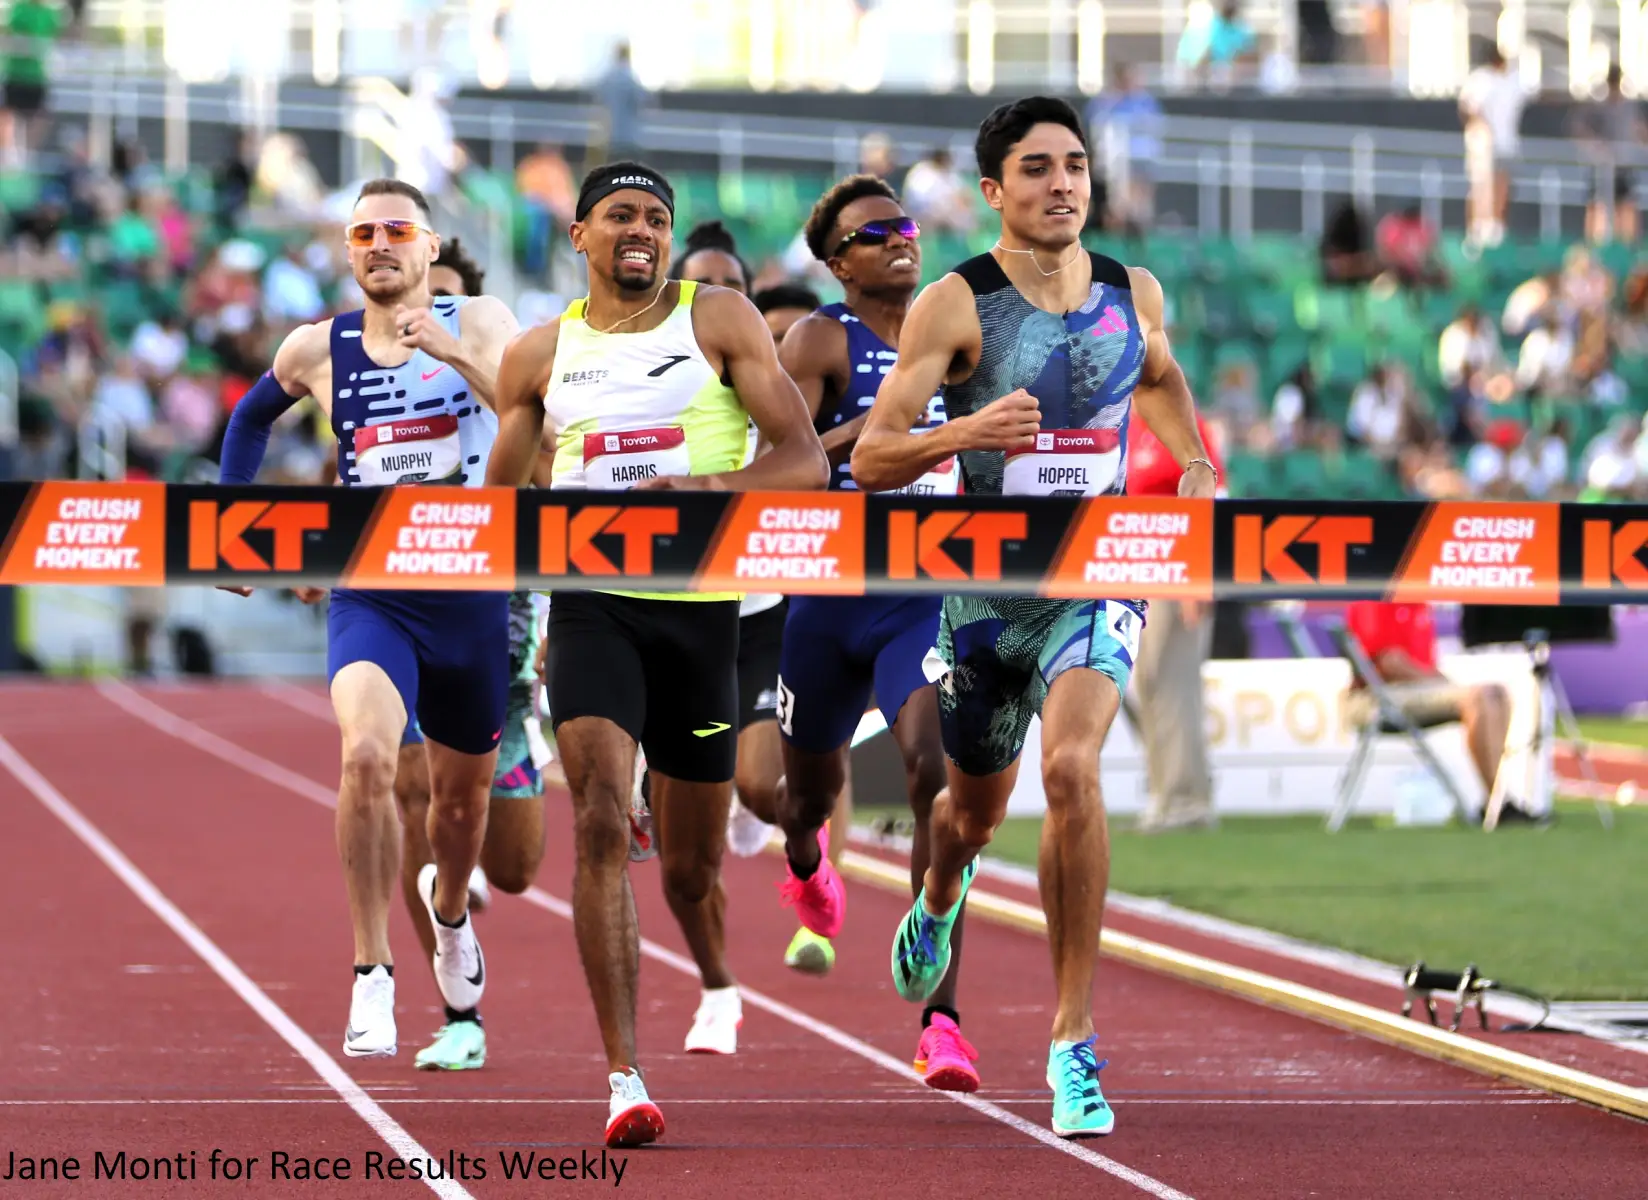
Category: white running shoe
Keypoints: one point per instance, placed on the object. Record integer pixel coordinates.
(480, 891)
(747, 834)
(642, 844)
(632, 1118)
(371, 1029)
(715, 1024)
(460, 968)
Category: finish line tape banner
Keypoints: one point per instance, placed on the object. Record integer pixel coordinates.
(821, 543)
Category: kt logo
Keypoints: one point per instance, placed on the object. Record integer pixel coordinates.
(1262, 549)
(916, 544)
(1611, 555)
(217, 537)
(568, 540)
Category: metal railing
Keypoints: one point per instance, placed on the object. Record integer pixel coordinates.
(1217, 156)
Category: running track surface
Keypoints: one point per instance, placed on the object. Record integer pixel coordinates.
(218, 1024)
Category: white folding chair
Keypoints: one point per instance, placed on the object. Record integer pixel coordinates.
(1388, 720)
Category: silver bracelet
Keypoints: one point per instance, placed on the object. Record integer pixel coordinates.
(1204, 463)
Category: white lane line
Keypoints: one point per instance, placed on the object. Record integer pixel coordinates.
(350, 1092)
(291, 695)
(167, 722)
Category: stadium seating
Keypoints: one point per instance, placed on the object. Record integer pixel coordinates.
(1259, 302)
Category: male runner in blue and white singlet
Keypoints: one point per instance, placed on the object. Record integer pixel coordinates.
(1044, 352)
(652, 383)
(402, 415)
(837, 650)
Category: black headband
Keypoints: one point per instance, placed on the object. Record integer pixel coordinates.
(619, 181)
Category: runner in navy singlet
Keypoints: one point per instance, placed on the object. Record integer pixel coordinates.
(514, 842)
(838, 650)
(407, 383)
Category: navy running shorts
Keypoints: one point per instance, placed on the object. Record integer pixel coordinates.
(447, 653)
(838, 650)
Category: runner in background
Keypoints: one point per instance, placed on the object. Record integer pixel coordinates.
(514, 841)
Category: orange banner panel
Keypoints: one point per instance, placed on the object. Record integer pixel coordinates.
(1148, 547)
(90, 533)
(440, 539)
(1494, 553)
(802, 542)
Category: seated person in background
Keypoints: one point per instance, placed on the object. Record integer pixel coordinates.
(1400, 641)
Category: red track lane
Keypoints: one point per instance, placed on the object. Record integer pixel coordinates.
(1215, 1096)
(115, 1028)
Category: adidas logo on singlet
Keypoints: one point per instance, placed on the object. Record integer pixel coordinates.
(592, 376)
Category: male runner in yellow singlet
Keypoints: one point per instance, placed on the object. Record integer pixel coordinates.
(647, 382)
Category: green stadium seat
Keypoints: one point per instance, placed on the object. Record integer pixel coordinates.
(1304, 475)
(1250, 475)
(18, 190)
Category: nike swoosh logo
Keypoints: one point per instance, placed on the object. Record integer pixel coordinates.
(426, 377)
(480, 970)
(715, 728)
(671, 361)
(353, 1035)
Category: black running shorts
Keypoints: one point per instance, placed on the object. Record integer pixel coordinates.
(663, 671)
(760, 641)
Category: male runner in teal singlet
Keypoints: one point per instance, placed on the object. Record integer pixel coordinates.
(1044, 351)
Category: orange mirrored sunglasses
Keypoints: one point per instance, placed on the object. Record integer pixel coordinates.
(397, 233)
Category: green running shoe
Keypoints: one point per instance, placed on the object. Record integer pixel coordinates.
(458, 1046)
(1079, 1107)
(809, 953)
(921, 948)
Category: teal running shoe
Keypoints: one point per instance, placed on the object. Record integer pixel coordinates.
(1079, 1107)
(921, 948)
(458, 1046)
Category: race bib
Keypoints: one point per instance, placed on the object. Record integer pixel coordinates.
(1065, 462)
(940, 480)
(619, 461)
(424, 450)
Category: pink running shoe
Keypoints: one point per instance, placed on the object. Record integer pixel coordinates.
(820, 902)
(945, 1058)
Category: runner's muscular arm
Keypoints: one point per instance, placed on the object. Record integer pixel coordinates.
(812, 355)
(1162, 396)
(941, 328)
(485, 326)
(732, 330)
(522, 428)
(296, 367)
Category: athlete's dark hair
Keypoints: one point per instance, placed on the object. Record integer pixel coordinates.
(710, 235)
(453, 255)
(821, 221)
(785, 295)
(1005, 127)
(395, 187)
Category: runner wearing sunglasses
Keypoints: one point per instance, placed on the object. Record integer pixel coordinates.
(407, 382)
(1044, 352)
(839, 649)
